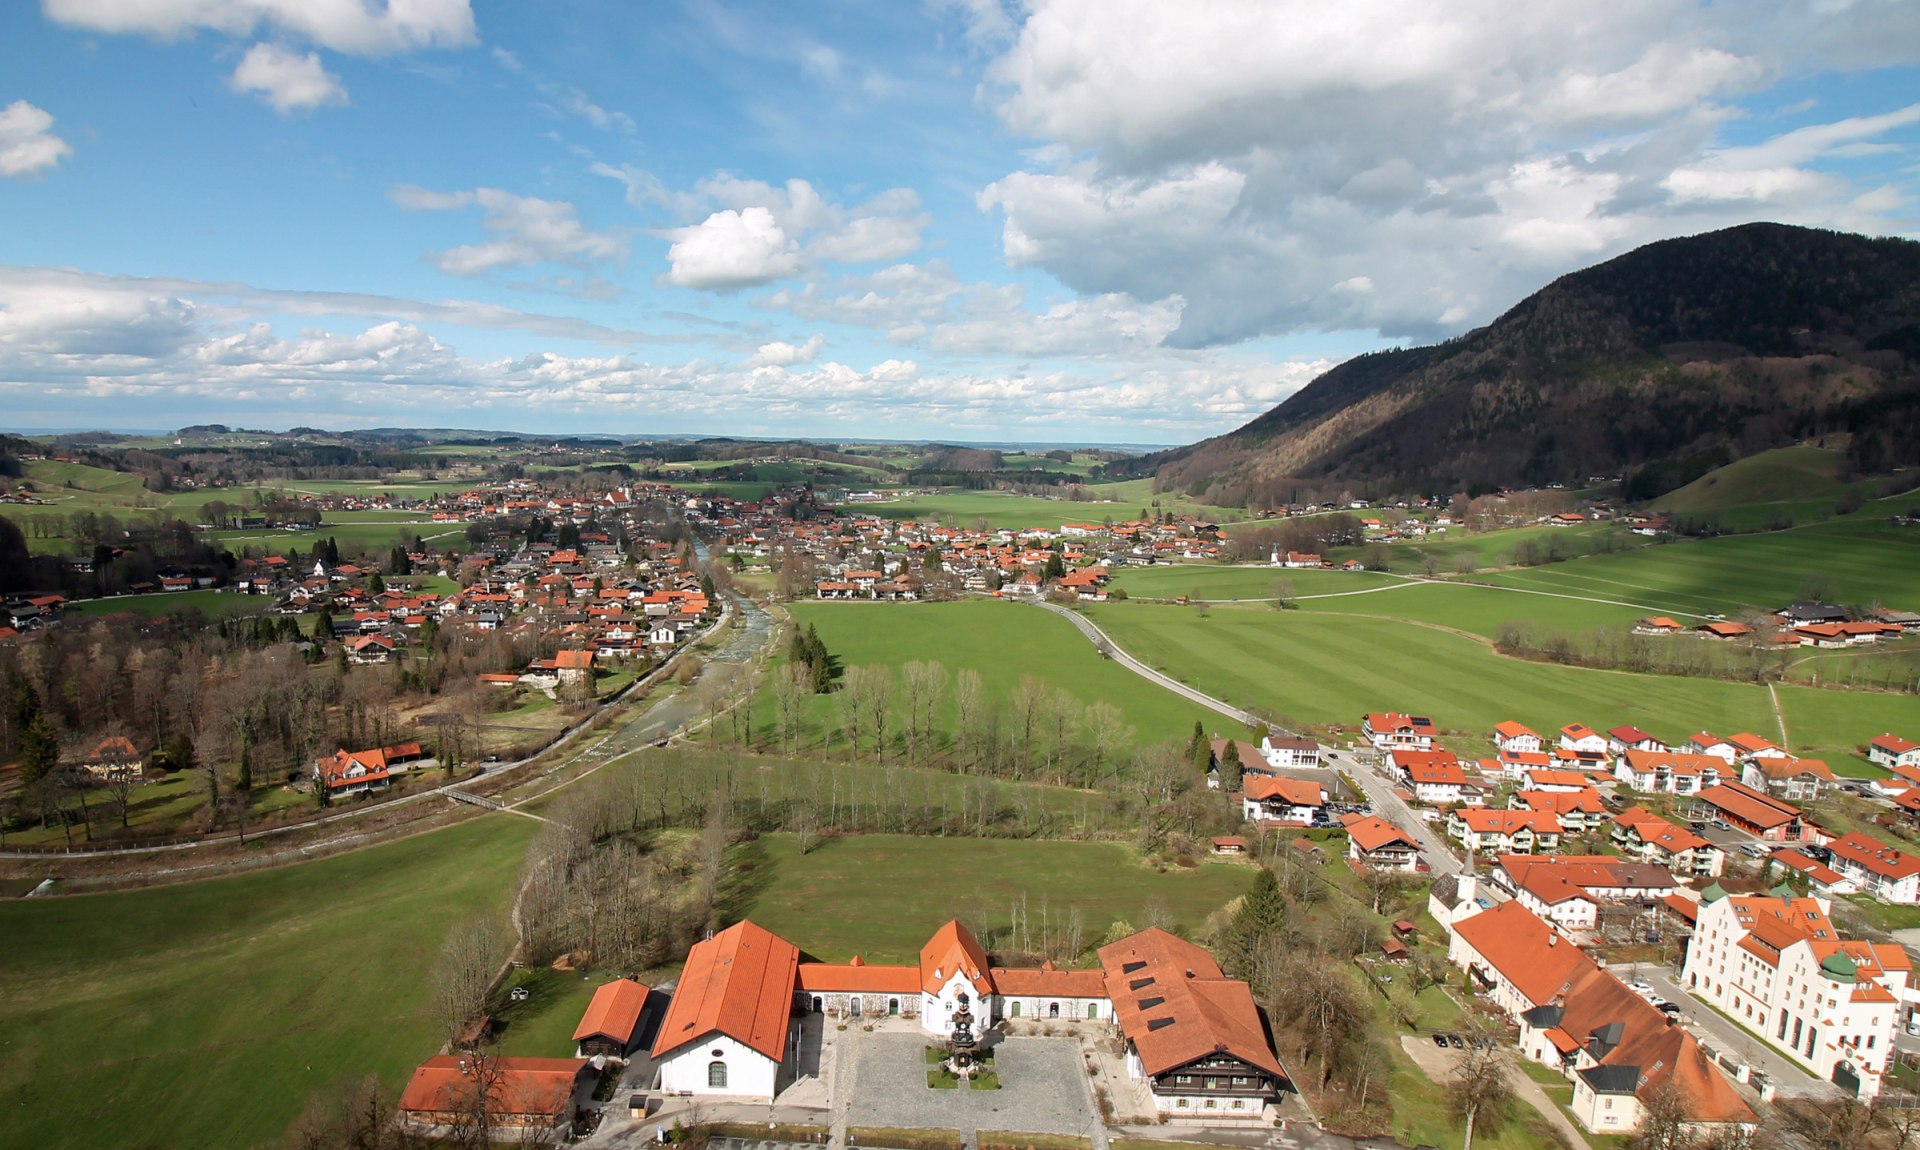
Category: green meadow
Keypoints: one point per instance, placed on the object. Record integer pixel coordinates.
(1216, 583)
(981, 881)
(1004, 642)
(206, 1014)
(1860, 559)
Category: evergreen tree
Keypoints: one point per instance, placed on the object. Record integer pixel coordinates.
(1055, 567)
(39, 750)
(333, 552)
(1230, 768)
(1254, 928)
(376, 585)
(178, 754)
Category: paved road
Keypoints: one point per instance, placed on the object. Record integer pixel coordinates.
(1726, 1038)
(1389, 806)
(1385, 803)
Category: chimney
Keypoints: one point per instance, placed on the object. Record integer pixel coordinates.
(1553, 938)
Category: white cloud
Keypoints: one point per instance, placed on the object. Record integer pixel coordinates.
(27, 143)
(782, 354)
(731, 250)
(357, 27)
(526, 230)
(289, 81)
(1243, 156)
(753, 232)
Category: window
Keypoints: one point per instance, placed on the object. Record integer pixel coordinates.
(716, 1076)
(1240, 1080)
(1212, 1102)
(1182, 1104)
(1183, 1080)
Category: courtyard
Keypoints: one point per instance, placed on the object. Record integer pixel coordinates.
(1043, 1086)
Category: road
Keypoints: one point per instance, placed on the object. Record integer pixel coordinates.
(1716, 1032)
(1380, 796)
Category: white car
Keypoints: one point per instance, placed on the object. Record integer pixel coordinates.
(1640, 987)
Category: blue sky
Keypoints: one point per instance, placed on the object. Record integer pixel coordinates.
(1091, 220)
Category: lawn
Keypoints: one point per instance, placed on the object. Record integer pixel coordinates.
(1859, 560)
(1216, 583)
(827, 903)
(1002, 641)
(205, 1014)
(211, 603)
(1479, 609)
(1320, 668)
(543, 1025)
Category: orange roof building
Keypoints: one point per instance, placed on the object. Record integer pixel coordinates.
(726, 1029)
(520, 1093)
(611, 1024)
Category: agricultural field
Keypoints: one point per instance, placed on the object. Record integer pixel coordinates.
(826, 902)
(230, 1001)
(1324, 668)
(997, 509)
(1002, 641)
(1216, 583)
(1477, 608)
(1459, 551)
(1858, 560)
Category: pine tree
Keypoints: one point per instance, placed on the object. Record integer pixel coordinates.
(1230, 768)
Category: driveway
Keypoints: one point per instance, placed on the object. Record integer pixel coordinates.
(1438, 1064)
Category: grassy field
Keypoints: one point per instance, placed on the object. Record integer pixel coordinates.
(1489, 549)
(1216, 583)
(1859, 559)
(1322, 668)
(206, 1014)
(1004, 642)
(211, 603)
(1479, 609)
(826, 902)
(1754, 493)
(998, 509)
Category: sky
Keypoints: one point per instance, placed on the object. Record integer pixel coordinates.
(1097, 221)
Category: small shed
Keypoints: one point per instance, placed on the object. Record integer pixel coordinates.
(1229, 845)
(611, 1024)
(1405, 928)
(1309, 848)
(1393, 950)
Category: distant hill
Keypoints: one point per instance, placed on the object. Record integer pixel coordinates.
(1783, 475)
(1658, 366)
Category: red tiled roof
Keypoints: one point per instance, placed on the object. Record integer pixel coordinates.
(1188, 1011)
(1371, 832)
(540, 1086)
(1295, 792)
(953, 948)
(614, 1011)
(1749, 806)
(1526, 951)
(1048, 980)
(858, 978)
(1875, 856)
(738, 983)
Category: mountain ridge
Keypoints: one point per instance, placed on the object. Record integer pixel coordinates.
(1678, 355)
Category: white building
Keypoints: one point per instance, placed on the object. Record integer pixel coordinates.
(1778, 965)
(1887, 873)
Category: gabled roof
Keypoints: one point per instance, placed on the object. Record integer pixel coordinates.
(738, 983)
(953, 949)
(1371, 832)
(1526, 951)
(1176, 1007)
(1294, 792)
(614, 1011)
(523, 1086)
(1749, 805)
(1875, 857)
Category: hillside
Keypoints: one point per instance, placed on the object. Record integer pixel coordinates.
(1659, 365)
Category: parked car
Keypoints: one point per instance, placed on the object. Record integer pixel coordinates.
(1457, 1042)
(1722, 825)
(1753, 850)
(1669, 1007)
(1440, 1040)
(1641, 987)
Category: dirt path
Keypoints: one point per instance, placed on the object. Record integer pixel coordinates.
(1779, 716)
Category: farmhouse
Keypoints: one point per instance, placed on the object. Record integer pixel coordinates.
(357, 772)
(1191, 1033)
(115, 757)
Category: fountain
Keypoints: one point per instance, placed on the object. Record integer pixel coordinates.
(961, 1043)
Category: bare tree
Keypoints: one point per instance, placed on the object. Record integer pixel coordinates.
(1107, 726)
(1478, 1088)
(792, 683)
(470, 957)
(851, 701)
(925, 689)
(967, 702)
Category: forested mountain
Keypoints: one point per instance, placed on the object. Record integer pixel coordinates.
(1673, 358)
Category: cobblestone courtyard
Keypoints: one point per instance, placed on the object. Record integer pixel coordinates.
(1043, 1088)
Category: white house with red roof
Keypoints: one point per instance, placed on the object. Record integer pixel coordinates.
(1280, 799)
(1388, 730)
(1892, 751)
(1512, 737)
(1622, 739)
(1585, 743)
(1435, 778)
(1671, 772)
(1885, 872)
